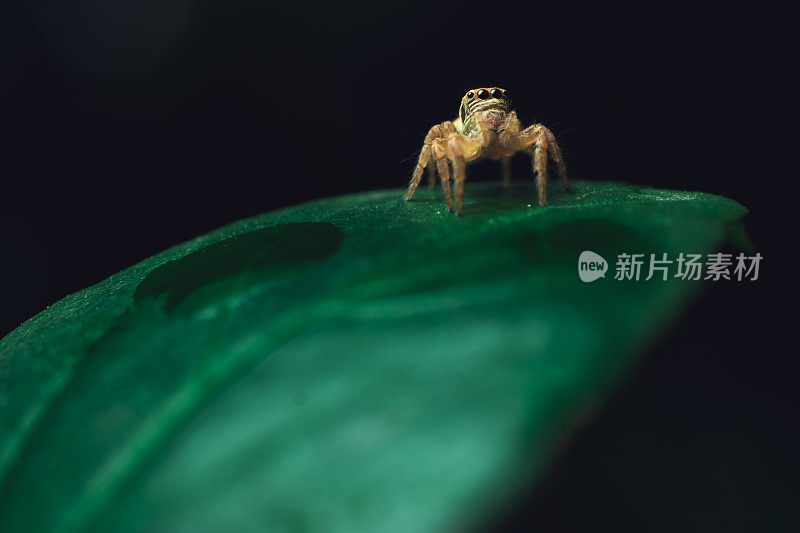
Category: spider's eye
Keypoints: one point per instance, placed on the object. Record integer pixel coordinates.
(470, 95)
(483, 94)
(497, 93)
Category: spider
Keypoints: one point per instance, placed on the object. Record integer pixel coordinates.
(485, 127)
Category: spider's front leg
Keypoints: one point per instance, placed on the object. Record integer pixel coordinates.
(461, 149)
(540, 167)
(544, 141)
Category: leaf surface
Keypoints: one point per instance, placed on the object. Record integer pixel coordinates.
(356, 363)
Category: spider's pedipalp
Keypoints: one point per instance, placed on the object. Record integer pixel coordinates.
(484, 130)
(509, 137)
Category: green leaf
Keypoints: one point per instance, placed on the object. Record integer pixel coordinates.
(357, 363)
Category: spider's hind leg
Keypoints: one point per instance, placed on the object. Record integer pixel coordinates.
(505, 164)
(431, 175)
(424, 156)
(540, 168)
(558, 157)
(444, 173)
(456, 153)
(436, 132)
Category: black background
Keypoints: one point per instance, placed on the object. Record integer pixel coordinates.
(135, 125)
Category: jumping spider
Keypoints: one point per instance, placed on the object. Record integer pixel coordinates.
(485, 127)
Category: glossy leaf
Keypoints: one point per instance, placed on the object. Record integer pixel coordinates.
(352, 364)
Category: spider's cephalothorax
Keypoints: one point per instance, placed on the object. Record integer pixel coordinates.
(485, 127)
(492, 103)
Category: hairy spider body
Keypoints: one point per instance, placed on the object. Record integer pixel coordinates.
(485, 127)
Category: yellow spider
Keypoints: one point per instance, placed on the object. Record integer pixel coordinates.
(485, 127)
